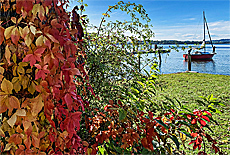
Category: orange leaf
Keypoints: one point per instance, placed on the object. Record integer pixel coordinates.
(13, 103)
(3, 98)
(35, 141)
(18, 129)
(1, 34)
(37, 105)
(16, 139)
(55, 24)
(27, 142)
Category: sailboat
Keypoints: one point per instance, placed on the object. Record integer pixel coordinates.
(202, 55)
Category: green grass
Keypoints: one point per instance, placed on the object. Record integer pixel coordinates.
(187, 87)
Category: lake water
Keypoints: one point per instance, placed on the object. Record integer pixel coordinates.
(174, 62)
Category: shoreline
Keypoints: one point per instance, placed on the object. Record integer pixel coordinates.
(192, 72)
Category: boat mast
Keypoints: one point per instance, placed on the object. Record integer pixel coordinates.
(204, 30)
(209, 33)
(206, 23)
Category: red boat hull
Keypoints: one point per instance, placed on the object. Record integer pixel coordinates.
(199, 56)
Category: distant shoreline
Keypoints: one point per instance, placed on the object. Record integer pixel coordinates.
(221, 41)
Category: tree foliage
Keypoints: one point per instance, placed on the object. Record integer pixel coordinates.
(66, 91)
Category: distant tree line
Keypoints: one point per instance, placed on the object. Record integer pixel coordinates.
(221, 41)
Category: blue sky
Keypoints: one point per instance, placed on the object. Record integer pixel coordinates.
(173, 19)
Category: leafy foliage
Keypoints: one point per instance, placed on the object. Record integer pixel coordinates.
(64, 91)
(41, 109)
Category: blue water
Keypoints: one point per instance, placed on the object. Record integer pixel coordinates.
(174, 62)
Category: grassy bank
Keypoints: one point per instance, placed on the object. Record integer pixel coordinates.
(187, 87)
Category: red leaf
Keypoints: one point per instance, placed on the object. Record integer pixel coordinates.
(34, 57)
(194, 121)
(26, 4)
(203, 123)
(68, 100)
(208, 113)
(144, 143)
(206, 118)
(215, 148)
(189, 116)
(150, 115)
(194, 134)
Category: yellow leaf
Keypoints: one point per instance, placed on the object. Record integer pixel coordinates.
(104, 14)
(8, 147)
(7, 86)
(25, 31)
(15, 35)
(47, 10)
(182, 136)
(24, 81)
(7, 54)
(33, 29)
(20, 69)
(14, 70)
(21, 112)
(28, 39)
(89, 150)
(24, 64)
(35, 9)
(12, 120)
(17, 87)
(29, 70)
(14, 58)
(41, 13)
(19, 19)
(32, 88)
(8, 31)
(2, 70)
(2, 133)
(39, 41)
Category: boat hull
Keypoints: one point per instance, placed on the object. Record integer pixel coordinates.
(199, 56)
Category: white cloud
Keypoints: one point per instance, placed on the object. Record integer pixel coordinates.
(218, 30)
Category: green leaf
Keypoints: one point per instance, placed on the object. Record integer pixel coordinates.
(201, 102)
(175, 140)
(142, 84)
(122, 114)
(162, 123)
(178, 102)
(183, 131)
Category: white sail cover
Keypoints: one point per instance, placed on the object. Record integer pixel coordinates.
(202, 45)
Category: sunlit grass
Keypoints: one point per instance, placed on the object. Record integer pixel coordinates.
(187, 87)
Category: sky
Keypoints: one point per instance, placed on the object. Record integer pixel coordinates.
(173, 19)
